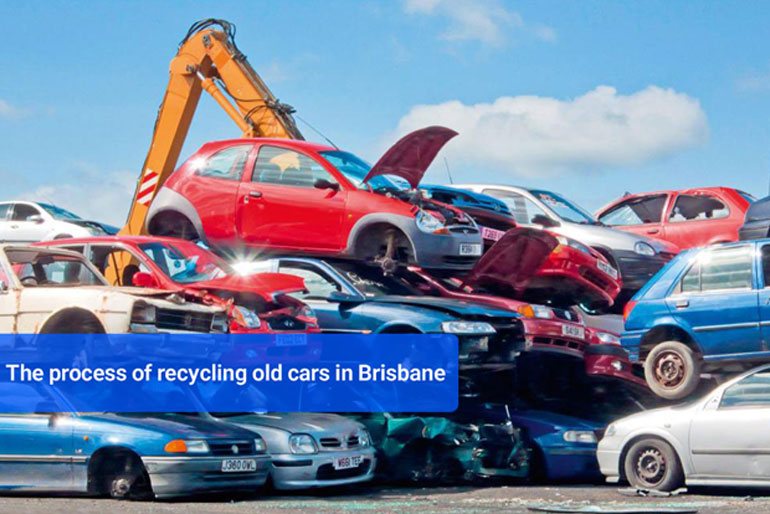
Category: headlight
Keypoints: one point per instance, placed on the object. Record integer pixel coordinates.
(302, 444)
(607, 338)
(535, 311)
(611, 430)
(364, 438)
(580, 436)
(260, 445)
(428, 222)
(184, 446)
(467, 327)
(143, 313)
(643, 248)
(574, 244)
(246, 317)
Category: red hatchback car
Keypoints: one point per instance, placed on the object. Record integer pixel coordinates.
(686, 218)
(292, 196)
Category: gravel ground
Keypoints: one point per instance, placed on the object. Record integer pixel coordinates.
(402, 500)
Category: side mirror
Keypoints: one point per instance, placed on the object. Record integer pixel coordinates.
(339, 297)
(35, 218)
(545, 221)
(322, 183)
(144, 279)
(3, 287)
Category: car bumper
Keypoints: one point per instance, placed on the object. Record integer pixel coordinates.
(609, 462)
(636, 270)
(608, 360)
(571, 463)
(179, 476)
(290, 471)
(442, 251)
(754, 230)
(549, 336)
(593, 284)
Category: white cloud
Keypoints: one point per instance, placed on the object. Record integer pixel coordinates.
(532, 135)
(103, 197)
(10, 112)
(488, 21)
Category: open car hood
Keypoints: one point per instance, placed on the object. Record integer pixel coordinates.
(513, 260)
(266, 284)
(410, 157)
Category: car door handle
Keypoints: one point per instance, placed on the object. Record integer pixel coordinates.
(255, 194)
(681, 304)
(653, 231)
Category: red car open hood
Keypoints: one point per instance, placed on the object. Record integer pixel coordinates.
(266, 284)
(513, 260)
(410, 157)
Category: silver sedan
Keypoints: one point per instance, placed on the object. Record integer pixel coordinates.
(722, 439)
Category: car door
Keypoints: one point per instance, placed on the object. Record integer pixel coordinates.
(698, 219)
(730, 436)
(763, 269)
(717, 298)
(5, 223)
(280, 206)
(26, 224)
(35, 449)
(640, 214)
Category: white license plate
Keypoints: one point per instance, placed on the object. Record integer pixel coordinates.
(290, 339)
(238, 465)
(609, 270)
(347, 462)
(470, 249)
(573, 331)
(491, 233)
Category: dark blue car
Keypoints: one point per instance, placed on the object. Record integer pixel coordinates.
(57, 449)
(708, 310)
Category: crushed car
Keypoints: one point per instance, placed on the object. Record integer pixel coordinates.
(281, 195)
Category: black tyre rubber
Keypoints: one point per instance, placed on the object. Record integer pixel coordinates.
(672, 370)
(653, 464)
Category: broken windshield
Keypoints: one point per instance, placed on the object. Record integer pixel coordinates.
(186, 263)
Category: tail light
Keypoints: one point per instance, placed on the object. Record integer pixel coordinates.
(627, 310)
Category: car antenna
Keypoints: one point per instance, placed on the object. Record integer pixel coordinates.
(448, 172)
(316, 131)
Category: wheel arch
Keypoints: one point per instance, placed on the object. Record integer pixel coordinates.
(100, 461)
(50, 324)
(372, 221)
(667, 332)
(398, 327)
(169, 202)
(679, 450)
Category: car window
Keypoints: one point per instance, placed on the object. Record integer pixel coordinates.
(4, 208)
(22, 211)
(277, 165)
(318, 284)
(523, 209)
(226, 164)
(56, 272)
(635, 211)
(716, 270)
(766, 265)
(116, 264)
(752, 391)
(697, 208)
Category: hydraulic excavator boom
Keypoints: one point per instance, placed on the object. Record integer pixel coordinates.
(209, 60)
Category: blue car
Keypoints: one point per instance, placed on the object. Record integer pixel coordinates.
(57, 449)
(708, 310)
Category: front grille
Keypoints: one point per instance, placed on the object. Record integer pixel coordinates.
(336, 442)
(228, 447)
(557, 342)
(285, 323)
(463, 229)
(327, 471)
(330, 442)
(353, 441)
(457, 260)
(183, 320)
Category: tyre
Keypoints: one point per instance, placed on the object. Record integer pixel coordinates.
(653, 464)
(672, 370)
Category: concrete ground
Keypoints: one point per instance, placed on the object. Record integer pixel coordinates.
(408, 499)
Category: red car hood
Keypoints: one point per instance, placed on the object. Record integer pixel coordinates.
(267, 284)
(410, 157)
(513, 260)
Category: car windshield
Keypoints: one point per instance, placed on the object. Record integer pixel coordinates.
(563, 208)
(185, 262)
(59, 213)
(355, 170)
(371, 282)
(47, 269)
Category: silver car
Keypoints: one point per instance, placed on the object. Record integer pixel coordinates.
(312, 450)
(722, 439)
(636, 257)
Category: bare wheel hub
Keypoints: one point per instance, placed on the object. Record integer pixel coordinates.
(669, 369)
(651, 466)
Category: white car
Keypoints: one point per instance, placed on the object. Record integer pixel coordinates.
(722, 439)
(46, 290)
(27, 222)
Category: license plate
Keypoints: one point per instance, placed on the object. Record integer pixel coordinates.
(470, 249)
(609, 270)
(491, 233)
(573, 331)
(290, 339)
(347, 462)
(238, 465)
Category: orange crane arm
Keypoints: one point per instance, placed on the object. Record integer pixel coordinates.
(209, 60)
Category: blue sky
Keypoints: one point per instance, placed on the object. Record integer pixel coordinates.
(587, 98)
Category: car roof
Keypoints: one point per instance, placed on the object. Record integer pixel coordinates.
(111, 239)
(294, 143)
(689, 190)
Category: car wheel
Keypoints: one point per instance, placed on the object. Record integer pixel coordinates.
(672, 370)
(653, 464)
(385, 247)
